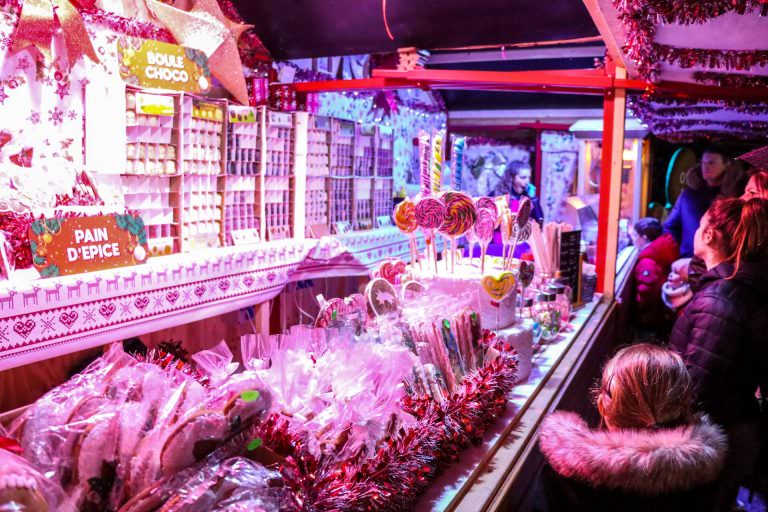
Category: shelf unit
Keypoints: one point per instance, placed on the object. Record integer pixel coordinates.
(340, 199)
(362, 204)
(239, 189)
(382, 198)
(342, 147)
(364, 151)
(385, 150)
(276, 138)
(150, 181)
(318, 169)
(202, 138)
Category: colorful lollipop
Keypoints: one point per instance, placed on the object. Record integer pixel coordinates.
(486, 223)
(488, 203)
(430, 213)
(460, 216)
(405, 219)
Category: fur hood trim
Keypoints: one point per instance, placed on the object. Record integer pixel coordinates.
(647, 462)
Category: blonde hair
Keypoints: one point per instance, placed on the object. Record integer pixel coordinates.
(645, 386)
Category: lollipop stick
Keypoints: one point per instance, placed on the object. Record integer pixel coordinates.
(483, 247)
(453, 255)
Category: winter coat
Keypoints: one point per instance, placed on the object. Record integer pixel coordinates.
(651, 270)
(629, 470)
(683, 220)
(723, 338)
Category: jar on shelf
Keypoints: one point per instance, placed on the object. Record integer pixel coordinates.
(562, 300)
(547, 314)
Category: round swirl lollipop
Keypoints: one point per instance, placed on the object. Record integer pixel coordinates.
(460, 216)
(405, 216)
(486, 223)
(488, 203)
(521, 220)
(405, 219)
(430, 213)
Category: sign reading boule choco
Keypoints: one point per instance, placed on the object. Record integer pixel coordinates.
(83, 244)
(162, 65)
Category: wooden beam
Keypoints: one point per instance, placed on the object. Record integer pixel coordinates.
(607, 31)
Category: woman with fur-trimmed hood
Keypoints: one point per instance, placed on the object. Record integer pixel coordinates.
(654, 455)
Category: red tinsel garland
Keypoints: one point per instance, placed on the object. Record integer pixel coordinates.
(650, 108)
(668, 125)
(407, 460)
(689, 136)
(403, 467)
(730, 80)
(15, 226)
(640, 19)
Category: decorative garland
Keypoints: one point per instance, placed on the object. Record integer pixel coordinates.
(640, 19)
(407, 460)
(666, 125)
(694, 135)
(729, 80)
(650, 108)
(15, 226)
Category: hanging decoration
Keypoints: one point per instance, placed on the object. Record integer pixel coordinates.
(649, 108)
(37, 26)
(205, 28)
(730, 80)
(252, 50)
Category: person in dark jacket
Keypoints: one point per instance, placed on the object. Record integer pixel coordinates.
(722, 333)
(716, 176)
(655, 455)
(657, 253)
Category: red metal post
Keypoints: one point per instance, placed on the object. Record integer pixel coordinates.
(605, 190)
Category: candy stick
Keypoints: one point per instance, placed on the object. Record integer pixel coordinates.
(424, 171)
(457, 159)
(437, 161)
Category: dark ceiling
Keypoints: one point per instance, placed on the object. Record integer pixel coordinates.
(293, 29)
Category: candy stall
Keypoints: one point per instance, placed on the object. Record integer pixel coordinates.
(242, 269)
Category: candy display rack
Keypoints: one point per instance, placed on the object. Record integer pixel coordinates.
(362, 203)
(150, 180)
(275, 186)
(364, 153)
(342, 146)
(384, 151)
(238, 188)
(203, 141)
(318, 169)
(382, 198)
(340, 199)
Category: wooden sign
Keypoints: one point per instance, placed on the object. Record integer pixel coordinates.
(159, 65)
(84, 244)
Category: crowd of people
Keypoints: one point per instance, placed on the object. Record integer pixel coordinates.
(684, 425)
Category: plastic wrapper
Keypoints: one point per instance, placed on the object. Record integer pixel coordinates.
(24, 489)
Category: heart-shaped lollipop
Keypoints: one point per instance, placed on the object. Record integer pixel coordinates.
(498, 287)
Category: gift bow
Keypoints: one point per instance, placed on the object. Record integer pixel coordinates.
(37, 25)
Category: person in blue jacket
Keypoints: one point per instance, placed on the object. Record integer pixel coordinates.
(715, 177)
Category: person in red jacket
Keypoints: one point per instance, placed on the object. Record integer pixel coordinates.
(657, 253)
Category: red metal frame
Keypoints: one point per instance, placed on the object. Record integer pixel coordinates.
(605, 190)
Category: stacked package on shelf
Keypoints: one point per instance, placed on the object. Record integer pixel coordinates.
(383, 183)
(340, 181)
(241, 219)
(277, 194)
(203, 136)
(151, 185)
(318, 170)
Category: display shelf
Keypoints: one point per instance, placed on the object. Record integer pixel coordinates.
(46, 318)
(319, 146)
(384, 152)
(342, 147)
(362, 204)
(364, 151)
(382, 199)
(275, 188)
(340, 201)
